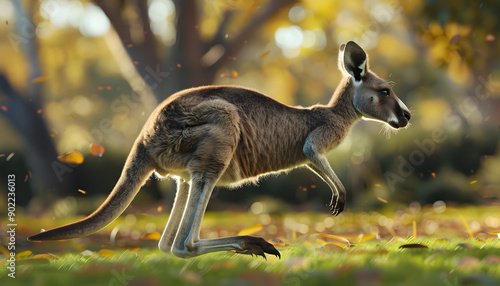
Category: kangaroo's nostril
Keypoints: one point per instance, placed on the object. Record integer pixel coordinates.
(407, 115)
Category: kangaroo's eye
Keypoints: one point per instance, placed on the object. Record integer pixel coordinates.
(384, 92)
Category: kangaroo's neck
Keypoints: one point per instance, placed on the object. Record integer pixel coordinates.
(341, 102)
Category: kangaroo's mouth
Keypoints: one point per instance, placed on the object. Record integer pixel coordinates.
(401, 121)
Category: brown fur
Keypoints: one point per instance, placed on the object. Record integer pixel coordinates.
(267, 136)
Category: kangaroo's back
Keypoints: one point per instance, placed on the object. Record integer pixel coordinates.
(271, 137)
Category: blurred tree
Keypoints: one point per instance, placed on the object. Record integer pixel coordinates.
(22, 113)
(190, 62)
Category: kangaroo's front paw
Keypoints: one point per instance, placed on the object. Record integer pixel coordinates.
(337, 205)
(258, 246)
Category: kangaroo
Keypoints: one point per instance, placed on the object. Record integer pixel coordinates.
(227, 136)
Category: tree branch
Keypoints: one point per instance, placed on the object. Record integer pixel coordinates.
(188, 36)
(142, 55)
(26, 29)
(232, 48)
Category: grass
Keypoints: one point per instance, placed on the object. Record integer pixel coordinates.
(373, 257)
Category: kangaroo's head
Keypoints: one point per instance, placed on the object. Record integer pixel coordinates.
(373, 96)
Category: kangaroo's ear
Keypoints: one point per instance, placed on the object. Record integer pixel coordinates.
(354, 60)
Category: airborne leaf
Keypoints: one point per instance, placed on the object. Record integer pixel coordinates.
(39, 79)
(264, 54)
(250, 230)
(74, 157)
(106, 253)
(151, 236)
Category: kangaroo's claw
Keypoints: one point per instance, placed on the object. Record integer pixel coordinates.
(258, 246)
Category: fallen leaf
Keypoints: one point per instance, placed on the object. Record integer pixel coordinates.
(250, 230)
(74, 157)
(490, 38)
(413, 245)
(45, 256)
(96, 150)
(4, 108)
(338, 239)
(367, 236)
(105, 244)
(433, 174)
(24, 254)
(39, 79)
(106, 253)
(320, 241)
(495, 232)
(151, 236)
(82, 191)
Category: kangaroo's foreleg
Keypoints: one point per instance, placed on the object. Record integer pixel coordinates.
(320, 165)
(167, 239)
(338, 190)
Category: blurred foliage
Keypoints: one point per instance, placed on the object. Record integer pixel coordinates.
(441, 55)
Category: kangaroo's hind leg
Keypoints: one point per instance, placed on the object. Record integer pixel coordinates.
(217, 135)
(167, 239)
(187, 242)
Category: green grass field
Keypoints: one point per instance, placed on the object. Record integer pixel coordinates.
(451, 247)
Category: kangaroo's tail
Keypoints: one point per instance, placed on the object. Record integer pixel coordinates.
(136, 171)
